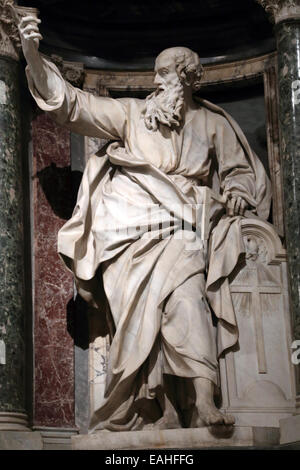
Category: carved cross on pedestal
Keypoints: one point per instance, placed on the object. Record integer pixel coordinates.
(256, 289)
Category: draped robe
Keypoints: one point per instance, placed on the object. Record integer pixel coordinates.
(156, 173)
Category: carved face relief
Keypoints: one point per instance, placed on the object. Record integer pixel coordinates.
(255, 249)
(281, 9)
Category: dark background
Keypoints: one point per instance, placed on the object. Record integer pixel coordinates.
(130, 33)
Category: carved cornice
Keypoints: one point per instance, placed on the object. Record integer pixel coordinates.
(265, 233)
(214, 75)
(281, 10)
(13, 421)
(10, 43)
(73, 72)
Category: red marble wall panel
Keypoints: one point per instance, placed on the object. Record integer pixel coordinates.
(53, 285)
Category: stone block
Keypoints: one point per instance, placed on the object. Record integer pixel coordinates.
(290, 430)
(200, 438)
(20, 440)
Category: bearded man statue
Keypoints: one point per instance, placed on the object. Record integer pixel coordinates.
(160, 284)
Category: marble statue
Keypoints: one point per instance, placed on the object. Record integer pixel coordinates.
(156, 231)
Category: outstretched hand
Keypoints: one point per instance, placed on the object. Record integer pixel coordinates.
(30, 39)
(30, 36)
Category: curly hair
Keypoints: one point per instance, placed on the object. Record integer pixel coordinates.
(188, 66)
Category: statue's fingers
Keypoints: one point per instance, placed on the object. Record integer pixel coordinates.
(226, 195)
(237, 205)
(30, 19)
(28, 28)
(27, 20)
(33, 36)
(230, 206)
(233, 205)
(231, 209)
(243, 207)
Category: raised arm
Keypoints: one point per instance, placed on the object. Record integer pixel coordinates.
(30, 38)
(80, 111)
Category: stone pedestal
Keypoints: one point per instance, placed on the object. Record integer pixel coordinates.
(290, 430)
(16, 440)
(257, 376)
(200, 438)
(55, 438)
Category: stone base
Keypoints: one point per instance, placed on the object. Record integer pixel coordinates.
(179, 439)
(11, 421)
(290, 430)
(20, 440)
(56, 438)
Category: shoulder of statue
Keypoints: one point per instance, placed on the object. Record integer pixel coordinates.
(213, 112)
(206, 107)
(132, 104)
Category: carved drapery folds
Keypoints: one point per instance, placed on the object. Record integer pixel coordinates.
(280, 10)
(93, 84)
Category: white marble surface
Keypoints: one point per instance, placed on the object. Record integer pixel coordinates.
(177, 439)
(56, 438)
(19, 440)
(164, 147)
(257, 377)
(290, 430)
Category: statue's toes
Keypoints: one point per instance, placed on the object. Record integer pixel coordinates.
(214, 418)
(229, 419)
(211, 416)
(220, 419)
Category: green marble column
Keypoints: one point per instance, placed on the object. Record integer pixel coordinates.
(12, 313)
(288, 46)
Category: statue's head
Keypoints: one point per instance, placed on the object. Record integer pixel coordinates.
(176, 69)
(180, 61)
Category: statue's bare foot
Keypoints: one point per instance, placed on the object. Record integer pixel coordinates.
(207, 413)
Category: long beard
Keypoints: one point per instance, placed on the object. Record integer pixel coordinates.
(164, 106)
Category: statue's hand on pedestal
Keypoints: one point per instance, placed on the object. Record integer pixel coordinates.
(235, 205)
(30, 37)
